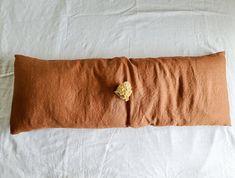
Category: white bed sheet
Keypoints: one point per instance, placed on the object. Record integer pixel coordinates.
(106, 28)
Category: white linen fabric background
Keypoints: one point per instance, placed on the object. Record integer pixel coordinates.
(69, 29)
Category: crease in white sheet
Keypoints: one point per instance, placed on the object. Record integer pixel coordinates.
(134, 28)
(106, 152)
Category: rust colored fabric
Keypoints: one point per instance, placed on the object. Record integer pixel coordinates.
(80, 93)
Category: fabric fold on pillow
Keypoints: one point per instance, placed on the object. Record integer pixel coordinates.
(80, 93)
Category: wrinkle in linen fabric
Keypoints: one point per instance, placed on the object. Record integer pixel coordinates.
(80, 93)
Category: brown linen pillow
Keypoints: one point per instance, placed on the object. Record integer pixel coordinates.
(80, 93)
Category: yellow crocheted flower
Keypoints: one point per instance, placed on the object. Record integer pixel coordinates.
(124, 91)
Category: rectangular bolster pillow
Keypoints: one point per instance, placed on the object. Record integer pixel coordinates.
(80, 93)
